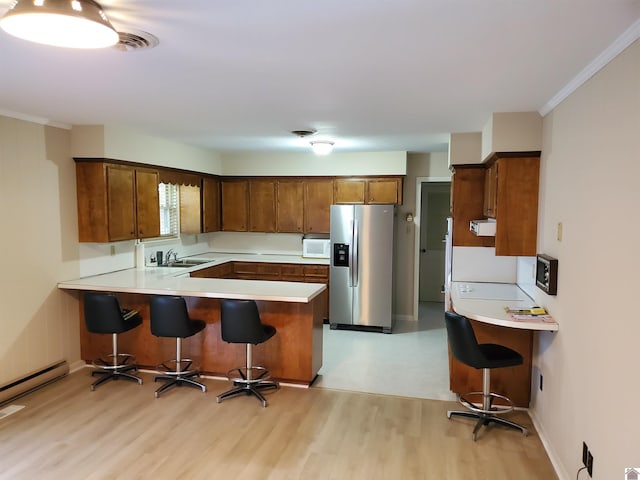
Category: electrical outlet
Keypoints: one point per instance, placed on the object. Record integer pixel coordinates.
(540, 384)
(585, 453)
(590, 464)
(112, 249)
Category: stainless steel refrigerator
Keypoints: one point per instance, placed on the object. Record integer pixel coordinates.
(361, 272)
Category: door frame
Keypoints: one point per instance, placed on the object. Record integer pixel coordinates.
(416, 242)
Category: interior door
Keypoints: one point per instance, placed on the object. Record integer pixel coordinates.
(434, 211)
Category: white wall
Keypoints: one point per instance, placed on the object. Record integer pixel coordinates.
(309, 164)
(39, 245)
(589, 181)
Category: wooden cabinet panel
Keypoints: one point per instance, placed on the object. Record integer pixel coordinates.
(262, 205)
(318, 197)
(347, 190)
(516, 210)
(121, 203)
(224, 270)
(384, 191)
(290, 206)
(147, 203)
(210, 204)
(190, 209)
(235, 205)
(490, 189)
(467, 194)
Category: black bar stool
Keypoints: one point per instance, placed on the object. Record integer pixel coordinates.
(466, 349)
(170, 318)
(240, 323)
(102, 314)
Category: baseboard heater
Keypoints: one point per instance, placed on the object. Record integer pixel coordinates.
(33, 381)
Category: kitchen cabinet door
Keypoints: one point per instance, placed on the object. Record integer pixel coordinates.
(290, 206)
(262, 205)
(190, 209)
(516, 210)
(467, 196)
(210, 204)
(318, 197)
(490, 190)
(384, 191)
(235, 205)
(147, 203)
(121, 199)
(349, 191)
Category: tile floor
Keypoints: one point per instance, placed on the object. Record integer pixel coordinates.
(410, 362)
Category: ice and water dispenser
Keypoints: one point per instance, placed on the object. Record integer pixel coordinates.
(340, 255)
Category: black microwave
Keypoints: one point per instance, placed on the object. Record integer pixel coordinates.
(547, 274)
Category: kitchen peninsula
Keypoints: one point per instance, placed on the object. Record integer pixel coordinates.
(484, 304)
(295, 309)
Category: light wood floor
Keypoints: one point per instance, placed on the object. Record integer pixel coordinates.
(121, 431)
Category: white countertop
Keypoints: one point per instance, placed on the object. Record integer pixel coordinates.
(486, 302)
(176, 281)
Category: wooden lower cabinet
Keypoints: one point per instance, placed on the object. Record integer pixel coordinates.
(513, 382)
(284, 272)
(293, 354)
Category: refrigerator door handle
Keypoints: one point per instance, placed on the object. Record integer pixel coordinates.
(350, 276)
(356, 255)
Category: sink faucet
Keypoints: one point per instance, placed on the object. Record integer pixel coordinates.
(175, 255)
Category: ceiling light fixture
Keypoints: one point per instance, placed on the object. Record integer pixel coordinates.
(61, 23)
(322, 147)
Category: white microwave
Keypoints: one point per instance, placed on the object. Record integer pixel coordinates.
(316, 247)
(483, 228)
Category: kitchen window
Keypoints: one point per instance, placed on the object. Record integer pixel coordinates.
(169, 209)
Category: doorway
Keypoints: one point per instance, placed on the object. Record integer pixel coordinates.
(434, 210)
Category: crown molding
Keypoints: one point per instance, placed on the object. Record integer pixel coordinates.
(622, 42)
(34, 119)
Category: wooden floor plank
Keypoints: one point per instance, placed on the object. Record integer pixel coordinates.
(121, 431)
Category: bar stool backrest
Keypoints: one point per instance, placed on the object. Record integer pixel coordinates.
(102, 313)
(240, 321)
(170, 317)
(462, 340)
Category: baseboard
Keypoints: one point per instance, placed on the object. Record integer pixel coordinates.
(32, 381)
(557, 466)
(78, 365)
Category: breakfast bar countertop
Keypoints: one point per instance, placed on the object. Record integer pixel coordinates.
(486, 302)
(176, 281)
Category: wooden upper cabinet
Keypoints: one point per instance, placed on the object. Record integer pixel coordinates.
(116, 202)
(210, 204)
(235, 205)
(318, 198)
(147, 203)
(384, 191)
(349, 190)
(190, 209)
(370, 191)
(290, 206)
(467, 195)
(516, 210)
(262, 205)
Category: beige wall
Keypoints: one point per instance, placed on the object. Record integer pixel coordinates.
(303, 164)
(589, 182)
(431, 165)
(107, 141)
(38, 247)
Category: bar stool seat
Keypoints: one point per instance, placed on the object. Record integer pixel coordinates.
(170, 318)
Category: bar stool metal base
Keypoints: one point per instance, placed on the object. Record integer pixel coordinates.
(118, 368)
(178, 377)
(249, 381)
(487, 412)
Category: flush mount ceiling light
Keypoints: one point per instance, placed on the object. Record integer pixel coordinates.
(61, 23)
(322, 147)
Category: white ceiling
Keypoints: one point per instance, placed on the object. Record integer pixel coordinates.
(372, 75)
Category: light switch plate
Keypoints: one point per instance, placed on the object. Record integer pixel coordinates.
(559, 231)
